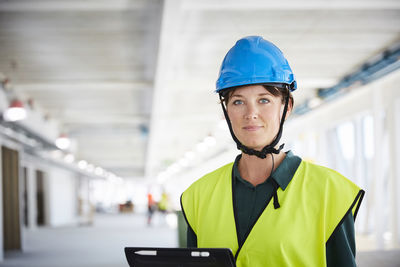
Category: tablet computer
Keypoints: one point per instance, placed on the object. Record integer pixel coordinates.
(179, 257)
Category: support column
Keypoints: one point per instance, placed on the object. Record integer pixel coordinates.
(396, 137)
(394, 169)
(167, 51)
(32, 205)
(359, 169)
(1, 207)
(378, 177)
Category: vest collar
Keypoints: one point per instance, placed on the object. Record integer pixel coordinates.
(282, 175)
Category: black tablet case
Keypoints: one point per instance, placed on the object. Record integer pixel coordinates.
(179, 257)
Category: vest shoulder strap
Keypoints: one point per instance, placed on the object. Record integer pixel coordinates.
(338, 194)
(191, 199)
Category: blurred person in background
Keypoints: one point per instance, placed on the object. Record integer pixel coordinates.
(163, 204)
(151, 208)
(270, 207)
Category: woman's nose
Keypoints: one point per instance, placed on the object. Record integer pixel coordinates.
(251, 113)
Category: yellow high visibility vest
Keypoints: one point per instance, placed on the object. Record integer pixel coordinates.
(312, 206)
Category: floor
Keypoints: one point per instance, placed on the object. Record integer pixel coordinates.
(102, 244)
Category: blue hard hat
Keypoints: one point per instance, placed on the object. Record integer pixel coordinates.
(254, 60)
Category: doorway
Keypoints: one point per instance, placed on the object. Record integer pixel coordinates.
(25, 209)
(40, 198)
(11, 214)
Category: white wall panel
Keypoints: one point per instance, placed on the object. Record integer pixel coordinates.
(61, 201)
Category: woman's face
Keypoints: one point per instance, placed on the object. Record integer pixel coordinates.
(255, 115)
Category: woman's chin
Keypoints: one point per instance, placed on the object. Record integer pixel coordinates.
(258, 146)
(255, 147)
(255, 143)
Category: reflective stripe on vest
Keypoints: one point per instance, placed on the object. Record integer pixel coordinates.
(312, 206)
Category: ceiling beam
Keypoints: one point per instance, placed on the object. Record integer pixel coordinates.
(78, 86)
(167, 51)
(290, 5)
(112, 131)
(108, 122)
(75, 5)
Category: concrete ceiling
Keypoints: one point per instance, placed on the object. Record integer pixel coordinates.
(132, 81)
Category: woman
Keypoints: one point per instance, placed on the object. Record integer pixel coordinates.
(269, 207)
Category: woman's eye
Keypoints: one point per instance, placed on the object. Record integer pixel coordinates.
(237, 102)
(264, 101)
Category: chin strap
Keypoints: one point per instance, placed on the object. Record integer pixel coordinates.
(268, 149)
(275, 184)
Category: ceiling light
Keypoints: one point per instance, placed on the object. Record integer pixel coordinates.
(69, 158)
(63, 142)
(99, 171)
(15, 111)
(82, 164)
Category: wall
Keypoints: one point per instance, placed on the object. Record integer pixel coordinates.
(61, 192)
(62, 197)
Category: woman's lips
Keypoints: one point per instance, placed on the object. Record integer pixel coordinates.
(252, 128)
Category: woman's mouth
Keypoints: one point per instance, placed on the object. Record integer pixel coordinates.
(252, 128)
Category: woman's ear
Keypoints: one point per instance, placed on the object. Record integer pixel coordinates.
(290, 108)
